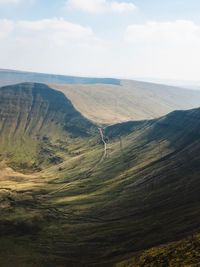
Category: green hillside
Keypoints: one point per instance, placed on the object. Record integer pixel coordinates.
(33, 116)
(113, 194)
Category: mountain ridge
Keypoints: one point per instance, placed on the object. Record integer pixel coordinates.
(8, 77)
(112, 101)
(111, 104)
(31, 112)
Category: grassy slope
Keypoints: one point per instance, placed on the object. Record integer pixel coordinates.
(81, 212)
(185, 252)
(109, 104)
(35, 121)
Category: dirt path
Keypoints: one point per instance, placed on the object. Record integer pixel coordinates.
(91, 170)
(105, 144)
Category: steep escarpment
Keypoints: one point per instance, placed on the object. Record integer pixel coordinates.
(160, 200)
(35, 108)
(33, 113)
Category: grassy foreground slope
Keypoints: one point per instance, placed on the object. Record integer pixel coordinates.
(185, 252)
(132, 100)
(93, 209)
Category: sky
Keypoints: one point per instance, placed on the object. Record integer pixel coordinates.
(140, 39)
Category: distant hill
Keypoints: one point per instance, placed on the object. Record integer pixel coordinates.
(8, 77)
(132, 100)
(110, 101)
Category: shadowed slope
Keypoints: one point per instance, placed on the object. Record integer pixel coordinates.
(139, 196)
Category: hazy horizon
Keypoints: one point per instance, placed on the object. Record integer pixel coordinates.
(187, 84)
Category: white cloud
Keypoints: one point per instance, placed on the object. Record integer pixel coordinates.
(164, 50)
(168, 50)
(157, 32)
(6, 27)
(101, 6)
(49, 45)
(57, 30)
(122, 7)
